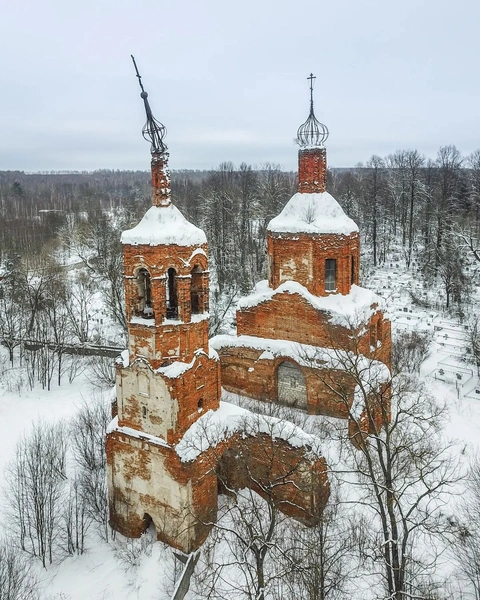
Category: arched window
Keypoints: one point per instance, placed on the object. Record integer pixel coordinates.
(144, 306)
(196, 290)
(172, 298)
(379, 330)
(291, 385)
(352, 276)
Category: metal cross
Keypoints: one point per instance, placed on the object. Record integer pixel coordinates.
(138, 74)
(311, 78)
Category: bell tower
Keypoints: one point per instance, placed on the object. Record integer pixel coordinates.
(168, 377)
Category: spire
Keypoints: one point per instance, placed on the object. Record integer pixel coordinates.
(154, 132)
(312, 132)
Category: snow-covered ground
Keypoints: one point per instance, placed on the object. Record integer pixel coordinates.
(103, 572)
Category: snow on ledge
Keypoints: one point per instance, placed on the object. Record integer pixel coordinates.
(142, 321)
(312, 213)
(164, 225)
(139, 435)
(215, 426)
(349, 310)
(371, 373)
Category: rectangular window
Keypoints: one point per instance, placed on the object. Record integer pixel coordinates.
(373, 341)
(330, 275)
(353, 271)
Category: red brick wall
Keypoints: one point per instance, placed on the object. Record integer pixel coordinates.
(127, 508)
(243, 373)
(258, 462)
(312, 170)
(291, 317)
(301, 258)
(160, 180)
(240, 461)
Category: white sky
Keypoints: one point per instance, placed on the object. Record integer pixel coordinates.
(229, 79)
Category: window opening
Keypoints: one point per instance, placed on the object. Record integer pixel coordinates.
(270, 269)
(144, 294)
(352, 280)
(200, 405)
(144, 411)
(291, 385)
(379, 330)
(195, 290)
(143, 384)
(372, 336)
(330, 274)
(172, 299)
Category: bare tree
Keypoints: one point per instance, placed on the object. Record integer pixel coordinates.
(466, 528)
(324, 555)
(36, 480)
(409, 350)
(404, 471)
(12, 313)
(89, 428)
(17, 579)
(268, 481)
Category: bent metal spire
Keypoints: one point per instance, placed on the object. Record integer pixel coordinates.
(154, 132)
(312, 156)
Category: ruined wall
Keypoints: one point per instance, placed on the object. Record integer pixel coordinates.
(260, 463)
(148, 479)
(166, 406)
(244, 373)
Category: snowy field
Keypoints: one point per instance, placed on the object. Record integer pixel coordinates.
(121, 569)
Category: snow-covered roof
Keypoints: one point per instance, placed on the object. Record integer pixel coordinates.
(164, 225)
(312, 213)
(215, 426)
(373, 371)
(349, 310)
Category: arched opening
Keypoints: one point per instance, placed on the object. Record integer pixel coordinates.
(144, 305)
(200, 405)
(149, 526)
(379, 331)
(196, 291)
(143, 384)
(291, 385)
(172, 298)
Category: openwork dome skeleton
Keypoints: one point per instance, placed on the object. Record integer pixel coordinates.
(153, 131)
(312, 132)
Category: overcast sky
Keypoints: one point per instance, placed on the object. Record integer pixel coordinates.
(228, 79)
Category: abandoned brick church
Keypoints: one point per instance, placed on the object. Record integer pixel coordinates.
(173, 445)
